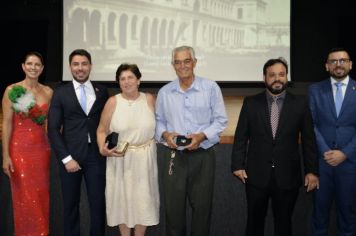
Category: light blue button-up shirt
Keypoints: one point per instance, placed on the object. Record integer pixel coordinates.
(198, 109)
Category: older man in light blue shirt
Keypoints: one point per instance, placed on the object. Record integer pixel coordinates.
(190, 115)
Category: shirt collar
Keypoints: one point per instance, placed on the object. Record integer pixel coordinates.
(279, 96)
(344, 81)
(76, 84)
(196, 85)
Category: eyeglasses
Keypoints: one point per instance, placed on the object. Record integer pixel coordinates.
(341, 61)
(184, 62)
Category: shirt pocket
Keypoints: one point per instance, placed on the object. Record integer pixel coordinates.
(201, 115)
(198, 105)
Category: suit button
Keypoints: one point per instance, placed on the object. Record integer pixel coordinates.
(337, 126)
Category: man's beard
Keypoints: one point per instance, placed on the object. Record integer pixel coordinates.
(337, 75)
(276, 91)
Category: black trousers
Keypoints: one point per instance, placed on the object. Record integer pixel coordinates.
(192, 179)
(93, 171)
(283, 202)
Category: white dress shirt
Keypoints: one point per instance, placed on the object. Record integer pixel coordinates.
(343, 87)
(89, 92)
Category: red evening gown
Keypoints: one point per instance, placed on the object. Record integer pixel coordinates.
(30, 155)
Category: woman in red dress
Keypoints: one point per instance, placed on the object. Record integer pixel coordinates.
(26, 153)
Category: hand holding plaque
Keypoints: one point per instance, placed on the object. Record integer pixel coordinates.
(113, 141)
(181, 140)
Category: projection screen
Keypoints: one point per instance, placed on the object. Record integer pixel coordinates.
(232, 38)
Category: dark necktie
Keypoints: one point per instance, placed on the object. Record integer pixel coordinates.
(274, 116)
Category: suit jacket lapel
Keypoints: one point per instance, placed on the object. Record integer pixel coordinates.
(329, 97)
(350, 91)
(97, 95)
(265, 113)
(287, 106)
(72, 94)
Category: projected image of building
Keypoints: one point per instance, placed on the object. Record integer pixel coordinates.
(145, 31)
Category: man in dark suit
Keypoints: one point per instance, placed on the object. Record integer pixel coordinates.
(333, 107)
(72, 122)
(265, 154)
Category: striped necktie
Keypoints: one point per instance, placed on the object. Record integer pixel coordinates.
(274, 116)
